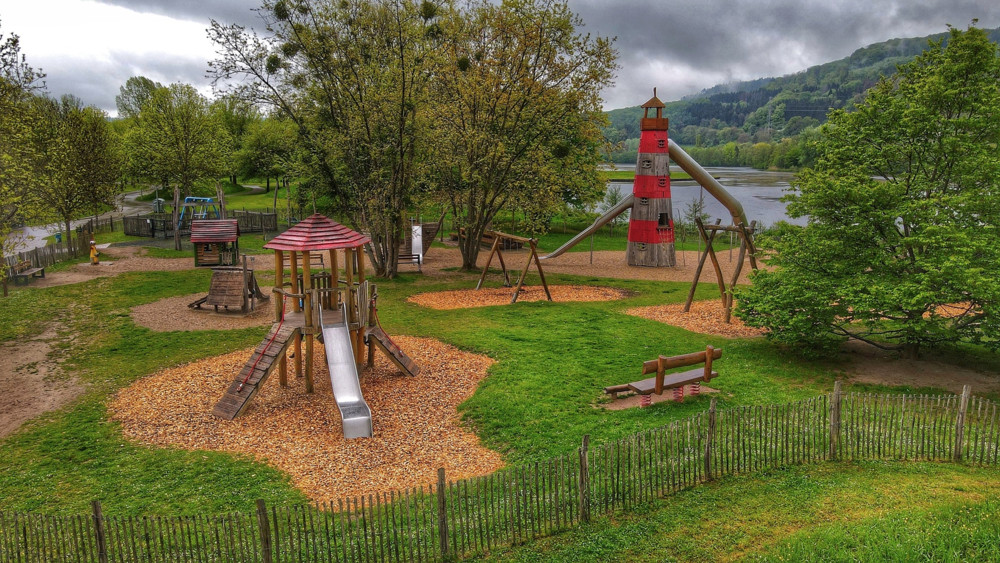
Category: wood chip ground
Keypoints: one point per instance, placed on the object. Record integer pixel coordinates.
(416, 424)
(706, 317)
(489, 297)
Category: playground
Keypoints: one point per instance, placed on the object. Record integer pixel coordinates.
(302, 379)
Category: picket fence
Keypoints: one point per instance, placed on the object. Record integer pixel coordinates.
(453, 519)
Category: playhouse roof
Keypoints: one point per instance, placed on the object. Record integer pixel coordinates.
(215, 230)
(317, 232)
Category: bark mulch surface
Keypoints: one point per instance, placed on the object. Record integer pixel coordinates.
(705, 317)
(416, 424)
(488, 297)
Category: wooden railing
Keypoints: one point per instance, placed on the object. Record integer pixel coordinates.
(451, 519)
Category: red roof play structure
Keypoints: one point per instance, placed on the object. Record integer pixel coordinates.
(215, 230)
(317, 232)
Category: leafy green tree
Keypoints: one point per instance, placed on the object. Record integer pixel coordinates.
(352, 76)
(900, 249)
(518, 112)
(179, 139)
(268, 148)
(80, 168)
(237, 116)
(135, 93)
(19, 82)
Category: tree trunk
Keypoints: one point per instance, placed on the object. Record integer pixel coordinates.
(69, 237)
(267, 188)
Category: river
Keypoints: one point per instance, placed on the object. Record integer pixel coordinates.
(759, 191)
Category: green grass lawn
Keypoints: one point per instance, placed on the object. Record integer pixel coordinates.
(553, 359)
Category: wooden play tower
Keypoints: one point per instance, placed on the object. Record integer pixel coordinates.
(303, 298)
(651, 226)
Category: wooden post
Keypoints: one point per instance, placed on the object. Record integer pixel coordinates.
(177, 218)
(265, 531)
(99, 536)
(701, 261)
(520, 279)
(584, 486)
(835, 401)
(963, 408)
(709, 356)
(308, 314)
(489, 260)
(221, 194)
(293, 262)
(660, 369)
(538, 264)
(709, 440)
(335, 279)
(442, 515)
(359, 342)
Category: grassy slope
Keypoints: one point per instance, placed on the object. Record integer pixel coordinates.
(831, 512)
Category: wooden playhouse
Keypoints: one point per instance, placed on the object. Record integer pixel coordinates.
(216, 242)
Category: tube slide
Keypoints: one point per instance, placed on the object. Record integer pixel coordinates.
(706, 180)
(598, 223)
(344, 377)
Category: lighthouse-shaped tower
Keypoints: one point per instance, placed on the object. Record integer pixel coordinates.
(651, 226)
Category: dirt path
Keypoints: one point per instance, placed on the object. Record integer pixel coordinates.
(31, 381)
(114, 261)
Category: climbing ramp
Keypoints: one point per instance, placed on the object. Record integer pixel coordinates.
(260, 365)
(377, 337)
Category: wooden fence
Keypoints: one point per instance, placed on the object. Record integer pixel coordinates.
(161, 225)
(452, 519)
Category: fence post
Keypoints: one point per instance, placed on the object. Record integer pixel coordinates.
(710, 440)
(442, 515)
(963, 407)
(99, 537)
(835, 421)
(265, 531)
(584, 488)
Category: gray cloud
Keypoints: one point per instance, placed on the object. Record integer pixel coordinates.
(681, 46)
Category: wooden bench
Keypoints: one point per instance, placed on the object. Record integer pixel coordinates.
(663, 380)
(409, 259)
(22, 272)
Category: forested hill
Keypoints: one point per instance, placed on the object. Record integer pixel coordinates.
(770, 109)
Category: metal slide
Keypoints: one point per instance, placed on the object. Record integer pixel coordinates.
(344, 377)
(687, 164)
(598, 223)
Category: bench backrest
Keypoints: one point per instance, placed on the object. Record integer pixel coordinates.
(672, 362)
(22, 266)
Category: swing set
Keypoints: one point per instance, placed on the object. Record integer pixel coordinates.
(499, 240)
(745, 235)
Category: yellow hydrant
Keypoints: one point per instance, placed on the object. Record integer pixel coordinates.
(94, 260)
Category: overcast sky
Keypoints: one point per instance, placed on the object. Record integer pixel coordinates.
(89, 48)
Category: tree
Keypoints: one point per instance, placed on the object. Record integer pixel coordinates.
(237, 116)
(612, 198)
(135, 93)
(267, 150)
(19, 82)
(518, 112)
(352, 76)
(180, 139)
(80, 168)
(900, 249)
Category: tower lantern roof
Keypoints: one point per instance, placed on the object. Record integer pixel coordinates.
(655, 122)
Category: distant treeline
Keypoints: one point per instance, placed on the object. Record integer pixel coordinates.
(766, 123)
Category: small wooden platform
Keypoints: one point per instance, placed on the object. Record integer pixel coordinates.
(236, 399)
(382, 341)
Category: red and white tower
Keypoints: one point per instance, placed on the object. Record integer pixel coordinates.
(651, 225)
